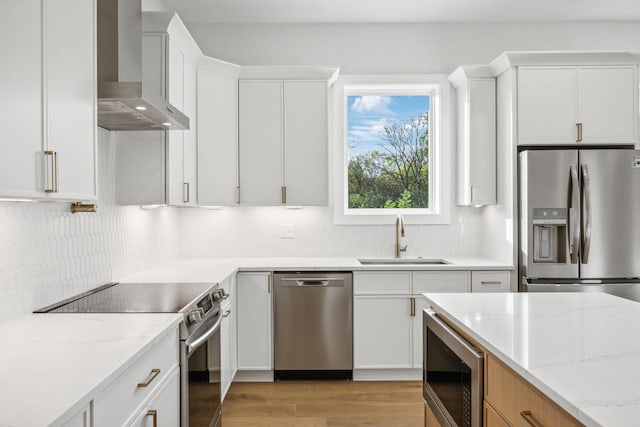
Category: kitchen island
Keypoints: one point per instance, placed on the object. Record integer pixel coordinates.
(580, 350)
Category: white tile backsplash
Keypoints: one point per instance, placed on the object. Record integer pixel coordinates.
(47, 253)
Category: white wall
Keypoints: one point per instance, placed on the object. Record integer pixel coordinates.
(396, 48)
(48, 254)
(378, 49)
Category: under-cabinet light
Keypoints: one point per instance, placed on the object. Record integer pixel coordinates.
(141, 108)
(293, 207)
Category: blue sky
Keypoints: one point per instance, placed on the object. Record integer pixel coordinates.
(367, 116)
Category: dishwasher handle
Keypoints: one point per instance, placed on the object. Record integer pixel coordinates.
(313, 281)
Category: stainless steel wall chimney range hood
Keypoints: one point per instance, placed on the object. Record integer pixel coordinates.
(124, 103)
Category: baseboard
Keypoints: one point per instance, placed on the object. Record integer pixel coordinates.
(387, 374)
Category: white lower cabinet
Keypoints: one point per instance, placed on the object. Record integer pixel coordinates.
(255, 332)
(228, 337)
(148, 380)
(387, 319)
(163, 410)
(381, 332)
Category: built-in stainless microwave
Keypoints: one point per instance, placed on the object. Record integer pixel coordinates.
(452, 375)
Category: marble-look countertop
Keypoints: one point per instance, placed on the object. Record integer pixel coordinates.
(217, 269)
(53, 364)
(580, 349)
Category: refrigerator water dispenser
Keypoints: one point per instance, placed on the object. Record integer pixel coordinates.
(549, 229)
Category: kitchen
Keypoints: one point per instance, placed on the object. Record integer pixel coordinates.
(48, 254)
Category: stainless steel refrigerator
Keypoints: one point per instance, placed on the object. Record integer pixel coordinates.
(579, 220)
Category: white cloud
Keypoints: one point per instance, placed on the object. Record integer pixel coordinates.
(371, 104)
(368, 130)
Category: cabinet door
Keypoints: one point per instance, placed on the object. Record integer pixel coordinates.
(175, 168)
(225, 350)
(175, 69)
(441, 281)
(70, 101)
(381, 332)
(22, 159)
(420, 305)
(481, 142)
(217, 139)
(260, 134)
(190, 155)
(607, 104)
(547, 105)
(254, 321)
(382, 282)
(141, 168)
(305, 142)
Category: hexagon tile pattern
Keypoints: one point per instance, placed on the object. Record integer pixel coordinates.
(48, 254)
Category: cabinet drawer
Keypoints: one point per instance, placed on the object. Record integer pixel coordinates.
(490, 281)
(116, 404)
(382, 282)
(511, 396)
(440, 281)
(491, 417)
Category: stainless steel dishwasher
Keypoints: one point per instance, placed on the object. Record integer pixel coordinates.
(313, 325)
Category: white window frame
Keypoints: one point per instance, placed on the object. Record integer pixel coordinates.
(441, 168)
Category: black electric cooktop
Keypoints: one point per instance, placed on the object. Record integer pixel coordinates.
(133, 298)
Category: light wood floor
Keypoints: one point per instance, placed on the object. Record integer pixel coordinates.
(324, 404)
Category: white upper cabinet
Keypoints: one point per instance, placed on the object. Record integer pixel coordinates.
(49, 109)
(476, 134)
(160, 167)
(575, 98)
(608, 104)
(217, 133)
(283, 136)
(305, 142)
(260, 134)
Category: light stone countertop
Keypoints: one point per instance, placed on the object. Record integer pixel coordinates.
(217, 269)
(53, 364)
(580, 349)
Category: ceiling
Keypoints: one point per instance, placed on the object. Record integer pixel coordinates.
(403, 11)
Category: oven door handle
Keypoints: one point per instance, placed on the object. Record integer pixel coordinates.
(192, 345)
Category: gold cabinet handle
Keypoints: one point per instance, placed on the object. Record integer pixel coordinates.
(186, 190)
(154, 374)
(528, 417)
(154, 414)
(54, 171)
(413, 306)
(284, 194)
(579, 128)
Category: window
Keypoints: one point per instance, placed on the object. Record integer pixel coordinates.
(391, 151)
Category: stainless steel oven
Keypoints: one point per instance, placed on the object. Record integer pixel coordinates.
(200, 397)
(452, 375)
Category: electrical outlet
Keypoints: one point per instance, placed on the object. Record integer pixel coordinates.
(286, 231)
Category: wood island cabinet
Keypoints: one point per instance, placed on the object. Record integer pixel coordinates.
(517, 401)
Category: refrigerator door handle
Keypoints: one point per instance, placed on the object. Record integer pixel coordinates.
(574, 225)
(586, 191)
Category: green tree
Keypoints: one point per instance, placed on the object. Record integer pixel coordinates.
(396, 176)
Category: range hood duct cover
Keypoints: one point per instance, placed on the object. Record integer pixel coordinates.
(123, 101)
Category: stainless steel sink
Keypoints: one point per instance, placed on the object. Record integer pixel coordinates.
(403, 261)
